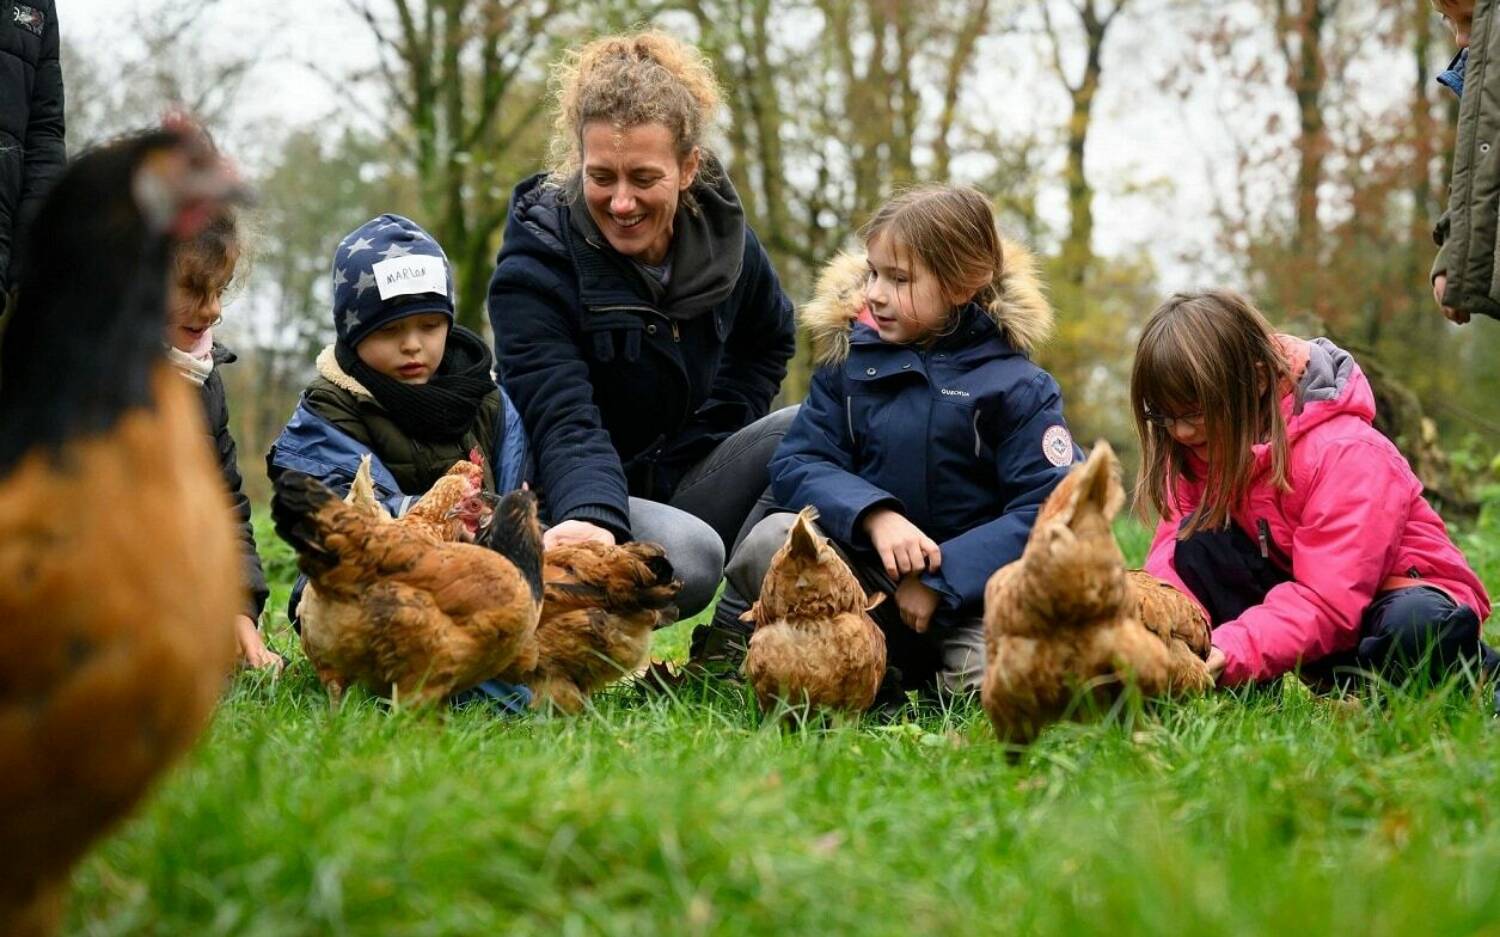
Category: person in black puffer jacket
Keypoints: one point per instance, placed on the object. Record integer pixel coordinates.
(639, 324)
(202, 271)
(31, 123)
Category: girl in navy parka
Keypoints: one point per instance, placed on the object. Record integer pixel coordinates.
(929, 438)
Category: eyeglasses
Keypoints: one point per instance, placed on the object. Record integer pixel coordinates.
(1190, 420)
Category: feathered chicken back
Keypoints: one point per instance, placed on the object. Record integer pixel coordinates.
(601, 602)
(814, 641)
(120, 576)
(1067, 621)
(402, 611)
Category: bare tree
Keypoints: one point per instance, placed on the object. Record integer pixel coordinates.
(172, 66)
(1299, 29)
(466, 76)
(1095, 18)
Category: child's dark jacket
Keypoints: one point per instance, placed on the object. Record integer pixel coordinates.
(216, 410)
(338, 421)
(965, 438)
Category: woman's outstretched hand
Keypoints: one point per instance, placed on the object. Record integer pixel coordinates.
(902, 546)
(575, 532)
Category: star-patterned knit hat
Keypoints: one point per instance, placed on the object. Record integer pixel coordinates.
(387, 269)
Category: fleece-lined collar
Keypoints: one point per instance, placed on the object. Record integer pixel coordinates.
(1021, 311)
(329, 370)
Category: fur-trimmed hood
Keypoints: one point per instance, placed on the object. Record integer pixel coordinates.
(330, 371)
(1022, 312)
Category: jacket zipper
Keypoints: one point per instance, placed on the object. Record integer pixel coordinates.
(978, 443)
(687, 405)
(1268, 548)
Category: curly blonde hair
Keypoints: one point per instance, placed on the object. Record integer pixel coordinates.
(629, 80)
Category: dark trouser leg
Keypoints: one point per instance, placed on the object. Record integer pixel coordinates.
(915, 661)
(1407, 633)
(724, 488)
(1226, 573)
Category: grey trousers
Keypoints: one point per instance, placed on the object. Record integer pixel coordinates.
(716, 502)
(693, 548)
(949, 657)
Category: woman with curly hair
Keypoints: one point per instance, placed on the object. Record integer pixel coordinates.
(639, 325)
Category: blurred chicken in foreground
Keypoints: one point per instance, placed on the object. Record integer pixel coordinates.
(120, 566)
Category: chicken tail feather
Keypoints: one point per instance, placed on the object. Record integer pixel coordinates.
(294, 507)
(515, 534)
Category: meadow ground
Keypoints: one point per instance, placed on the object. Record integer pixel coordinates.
(1259, 812)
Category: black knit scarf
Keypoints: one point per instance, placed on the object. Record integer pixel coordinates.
(441, 410)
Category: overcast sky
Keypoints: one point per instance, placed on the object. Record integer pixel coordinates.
(1153, 158)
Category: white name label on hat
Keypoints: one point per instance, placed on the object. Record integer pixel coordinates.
(410, 275)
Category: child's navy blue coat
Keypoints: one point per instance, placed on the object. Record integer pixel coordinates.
(966, 438)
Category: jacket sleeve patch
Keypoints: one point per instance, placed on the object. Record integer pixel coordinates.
(1057, 445)
(29, 18)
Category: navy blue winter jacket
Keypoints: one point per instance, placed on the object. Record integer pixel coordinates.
(965, 438)
(623, 390)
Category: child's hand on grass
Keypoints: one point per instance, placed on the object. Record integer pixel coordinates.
(253, 651)
(902, 546)
(1216, 662)
(916, 602)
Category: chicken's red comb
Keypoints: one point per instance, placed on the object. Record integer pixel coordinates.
(476, 457)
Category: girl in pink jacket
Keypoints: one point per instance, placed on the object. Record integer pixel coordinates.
(1298, 527)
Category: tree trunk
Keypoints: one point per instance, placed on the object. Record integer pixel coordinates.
(1300, 38)
(1077, 247)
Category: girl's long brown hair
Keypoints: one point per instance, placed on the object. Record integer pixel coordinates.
(1211, 352)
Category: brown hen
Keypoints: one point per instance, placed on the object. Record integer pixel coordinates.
(1067, 620)
(601, 603)
(404, 612)
(814, 643)
(119, 562)
(452, 510)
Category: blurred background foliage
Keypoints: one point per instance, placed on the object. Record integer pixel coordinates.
(1328, 163)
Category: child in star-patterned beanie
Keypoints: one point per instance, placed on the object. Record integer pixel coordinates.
(386, 270)
(404, 384)
(402, 381)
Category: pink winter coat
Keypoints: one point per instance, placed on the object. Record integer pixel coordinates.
(1354, 524)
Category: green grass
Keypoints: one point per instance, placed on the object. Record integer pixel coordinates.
(1243, 813)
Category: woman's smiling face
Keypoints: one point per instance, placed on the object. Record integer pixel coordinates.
(632, 182)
